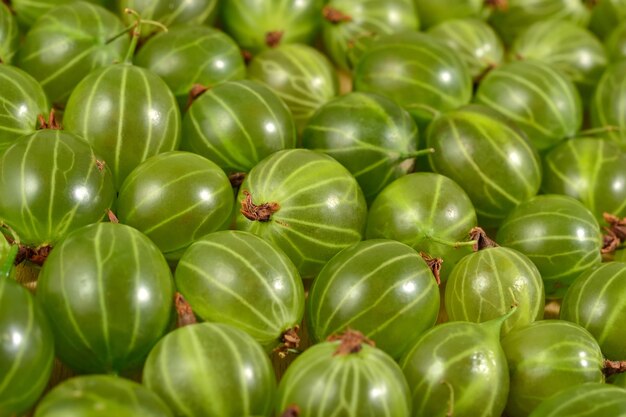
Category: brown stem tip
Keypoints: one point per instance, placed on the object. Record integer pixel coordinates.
(434, 264)
(25, 253)
(335, 16)
(616, 225)
(112, 217)
(184, 312)
(502, 5)
(236, 179)
(262, 212)
(291, 411)
(351, 342)
(614, 367)
(52, 123)
(196, 91)
(289, 340)
(483, 241)
(273, 38)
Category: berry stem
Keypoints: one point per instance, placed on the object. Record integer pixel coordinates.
(352, 341)
(262, 212)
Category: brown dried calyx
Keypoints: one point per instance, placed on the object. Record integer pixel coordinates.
(289, 341)
(51, 123)
(236, 179)
(36, 255)
(351, 342)
(184, 312)
(273, 38)
(502, 5)
(613, 367)
(291, 411)
(262, 212)
(482, 241)
(615, 233)
(335, 16)
(434, 264)
(196, 91)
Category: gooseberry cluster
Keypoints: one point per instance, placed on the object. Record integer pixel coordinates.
(299, 208)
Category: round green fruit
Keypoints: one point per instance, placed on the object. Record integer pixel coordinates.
(607, 15)
(9, 35)
(608, 100)
(432, 13)
(615, 43)
(587, 400)
(29, 11)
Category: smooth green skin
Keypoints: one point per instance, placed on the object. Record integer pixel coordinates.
(608, 100)
(426, 211)
(379, 287)
(9, 35)
(485, 284)
(55, 184)
(618, 380)
(432, 13)
(368, 19)
(189, 55)
(591, 170)
(127, 114)
(22, 100)
(367, 383)
(417, 71)
(488, 156)
(572, 49)
(249, 21)
(237, 124)
(545, 358)
(101, 396)
(28, 11)
(477, 43)
(543, 102)
(211, 370)
(193, 197)
(374, 138)
(110, 292)
(615, 43)
(519, 14)
(458, 362)
(595, 301)
(67, 44)
(587, 400)
(606, 15)
(237, 278)
(557, 233)
(322, 208)
(26, 349)
(300, 75)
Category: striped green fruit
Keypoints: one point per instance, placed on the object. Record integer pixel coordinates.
(237, 124)
(459, 369)
(101, 396)
(211, 370)
(26, 349)
(488, 156)
(591, 170)
(374, 138)
(237, 278)
(615, 43)
(22, 101)
(477, 43)
(519, 14)
(300, 75)
(53, 183)
(29, 11)
(606, 15)
(557, 233)
(587, 400)
(110, 292)
(432, 13)
(379, 287)
(427, 211)
(483, 286)
(257, 25)
(572, 49)
(608, 100)
(417, 71)
(595, 301)
(69, 42)
(345, 377)
(127, 114)
(347, 23)
(193, 197)
(545, 358)
(188, 55)
(543, 102)
(306, 203)
(9, 35)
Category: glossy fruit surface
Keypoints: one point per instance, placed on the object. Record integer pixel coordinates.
(368, 134)
(188, 55)
(54, 183)
(237, 124)
(325, 380)
(587, 400)
(69, 42)
(127, 114)
(22, 100)
(558, 234)
(615, 43)
(28, 11)
(485, 284)
(594, 301)
(237, 278)
(426, 211)
(434, 12)
(488, 156)
(110, 292)
(546, 357)
(9, 35)
(193, 198)
(539, 98)
(310, 219)
(606, 15)
(101, 396)
(382, 288)
(608, 99)
(211, 370)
